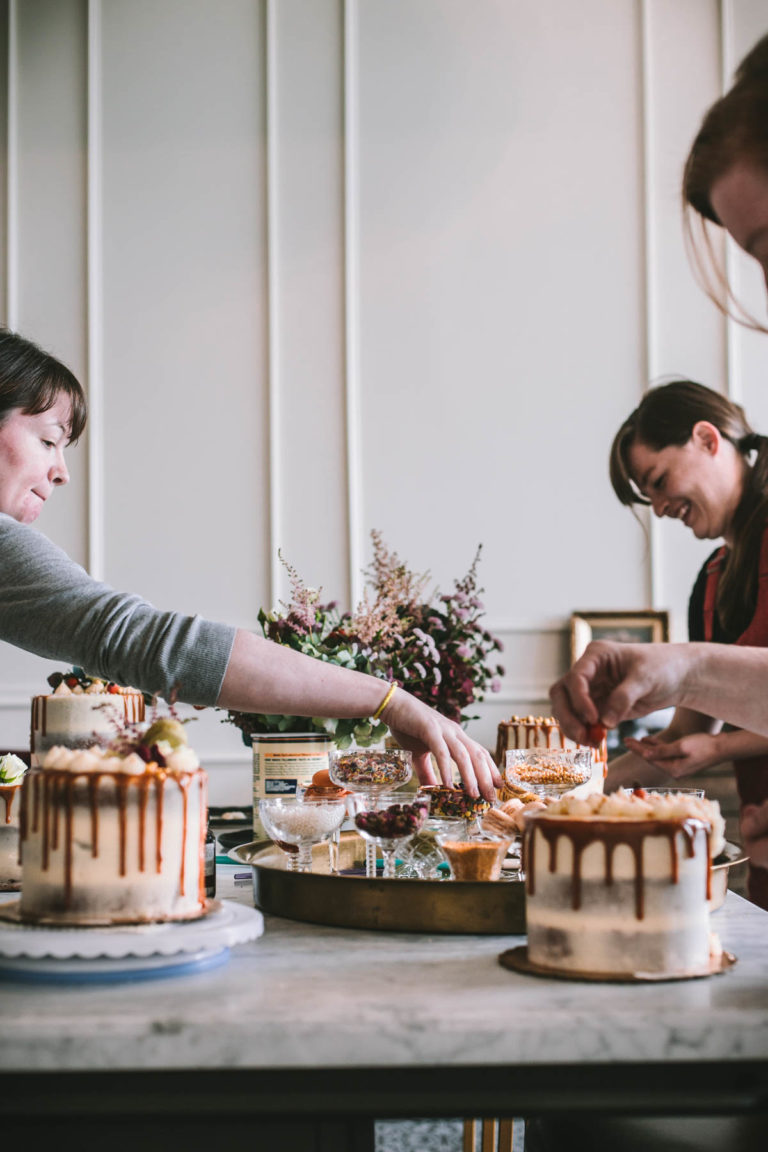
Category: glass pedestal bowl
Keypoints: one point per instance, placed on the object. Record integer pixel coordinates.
(370, 772)
(547, 771)
(388, 821)
(296, 823)
(476, 856)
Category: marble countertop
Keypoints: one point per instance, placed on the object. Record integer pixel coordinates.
(309, 996)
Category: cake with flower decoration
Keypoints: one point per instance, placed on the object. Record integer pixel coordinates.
(115, 834)
(12, 770)
(81, 710)
(619, 885)
(545, 732)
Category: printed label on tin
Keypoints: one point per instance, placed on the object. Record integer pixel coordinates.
(284, 764)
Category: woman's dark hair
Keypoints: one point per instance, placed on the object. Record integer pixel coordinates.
(32, 381)
(735, 128)
(666, 417)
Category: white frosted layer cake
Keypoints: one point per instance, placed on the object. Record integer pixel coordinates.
(115, 839)
(10, 869)
(620, 884)
(81, 713)
(545, 732)
(12, 770)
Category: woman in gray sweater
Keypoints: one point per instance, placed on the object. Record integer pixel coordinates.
(51, 606)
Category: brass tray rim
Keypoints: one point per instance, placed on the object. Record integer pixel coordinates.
(473, 907)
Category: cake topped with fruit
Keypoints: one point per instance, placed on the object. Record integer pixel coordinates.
(81, 710)
(621, 884)
(114, 833)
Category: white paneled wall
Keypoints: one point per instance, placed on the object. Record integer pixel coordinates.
(328, 266)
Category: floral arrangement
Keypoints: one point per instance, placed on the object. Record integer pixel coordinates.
(433, 646)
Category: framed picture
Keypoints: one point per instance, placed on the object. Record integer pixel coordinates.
(638, 627)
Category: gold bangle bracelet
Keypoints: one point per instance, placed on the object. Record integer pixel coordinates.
(384, 702)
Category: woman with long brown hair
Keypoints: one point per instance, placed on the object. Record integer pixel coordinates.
(690, 454)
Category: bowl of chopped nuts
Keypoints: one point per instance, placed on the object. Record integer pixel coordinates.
(547, 771)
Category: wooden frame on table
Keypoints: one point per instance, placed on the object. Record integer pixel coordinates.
(642, 626)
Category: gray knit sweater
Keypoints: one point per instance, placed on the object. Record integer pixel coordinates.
(51, 606)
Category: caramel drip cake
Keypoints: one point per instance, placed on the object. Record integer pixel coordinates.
(115, 835)
(12, 770)
(80, 711)
(620, 884)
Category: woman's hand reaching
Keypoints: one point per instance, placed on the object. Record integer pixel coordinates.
(611, 682)
(421, 730)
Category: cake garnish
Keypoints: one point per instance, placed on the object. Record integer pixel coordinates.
(596, 733)
(644, 804)
(76, 682)
(12, 769)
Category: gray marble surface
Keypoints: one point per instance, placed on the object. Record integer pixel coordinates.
(304, 995)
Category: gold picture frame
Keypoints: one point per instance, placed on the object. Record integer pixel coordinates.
(642, 626)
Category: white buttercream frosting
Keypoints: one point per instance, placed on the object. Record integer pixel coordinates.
(642, 805)
(97, 759)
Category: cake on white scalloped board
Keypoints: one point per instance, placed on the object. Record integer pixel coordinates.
(619, 885)
(115, 835)
(81, 710)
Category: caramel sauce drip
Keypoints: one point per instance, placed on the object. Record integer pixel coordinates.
(8, 795)
(611, 833)
(48, 796)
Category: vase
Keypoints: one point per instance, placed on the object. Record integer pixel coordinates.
(283, 764)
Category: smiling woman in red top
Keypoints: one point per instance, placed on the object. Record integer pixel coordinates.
(690, 454)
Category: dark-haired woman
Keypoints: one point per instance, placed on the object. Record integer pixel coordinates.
(50, 606)
(690, 454)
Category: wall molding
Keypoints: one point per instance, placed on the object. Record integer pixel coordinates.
(352, 383)
(12, 173)
(274, 408)
(95, 296)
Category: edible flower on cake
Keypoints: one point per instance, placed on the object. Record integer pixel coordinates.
(12, 769)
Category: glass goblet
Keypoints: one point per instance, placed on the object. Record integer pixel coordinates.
(296, 824)
(422, 857)
(547, 771)
(476, 856)
(447, 803)
(390, 823)
(370, 772)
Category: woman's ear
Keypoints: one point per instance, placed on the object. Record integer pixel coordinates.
(707, 437)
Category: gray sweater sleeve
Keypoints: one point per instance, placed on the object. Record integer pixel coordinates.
(51, 606)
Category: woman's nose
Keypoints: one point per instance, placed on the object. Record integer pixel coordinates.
(59, 473)
(658, 504)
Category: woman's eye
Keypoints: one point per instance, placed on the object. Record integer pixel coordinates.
(49, 443)
(658, 483)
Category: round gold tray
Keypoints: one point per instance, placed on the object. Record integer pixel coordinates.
(468, 907)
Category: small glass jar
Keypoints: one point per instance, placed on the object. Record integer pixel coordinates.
(209, 856)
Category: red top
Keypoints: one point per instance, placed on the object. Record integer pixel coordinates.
(751, 773)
